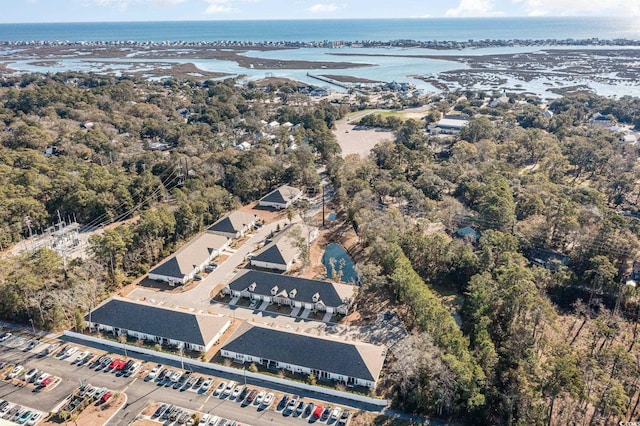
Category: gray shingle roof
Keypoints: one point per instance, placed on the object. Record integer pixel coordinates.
(331, 294)
(198, 329)
(270, 253)
(352, 359)
(281, 195)
(232, 223)
(194, 253)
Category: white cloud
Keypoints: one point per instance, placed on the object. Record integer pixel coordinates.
(580, 7)
(224, 6)
(324, 8)
(218, 6)
(473, 8)
(123, 4)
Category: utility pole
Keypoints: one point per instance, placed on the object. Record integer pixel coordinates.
(323, 205)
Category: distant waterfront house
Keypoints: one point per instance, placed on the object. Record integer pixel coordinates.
(601, 120)
(353, 363)
(281, 198)
(284, 250)
(449, 125)
(233, 225)
(197, 332)
(309, 294)
(183, 265)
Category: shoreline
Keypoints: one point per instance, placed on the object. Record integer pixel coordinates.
(277, 45)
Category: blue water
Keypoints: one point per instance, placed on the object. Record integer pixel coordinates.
(458, 29)
(342, 263)
(332, 216)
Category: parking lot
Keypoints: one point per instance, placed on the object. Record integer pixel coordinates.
(77, 366)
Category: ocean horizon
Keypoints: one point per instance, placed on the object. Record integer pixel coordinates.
(420, 29)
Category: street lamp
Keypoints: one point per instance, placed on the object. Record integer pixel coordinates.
(33, 329)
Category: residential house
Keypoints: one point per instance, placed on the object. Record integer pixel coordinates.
(468, 233)
(233, 225)
(549, 259)
(284, 250)
(600, 120)
(352, 363)
(313, 295)
(197, 332)
(449, 125)
(281, 198)
(183, 265)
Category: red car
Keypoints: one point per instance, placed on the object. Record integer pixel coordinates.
(117, 364)
(47, 381)
(106, 397)
(317, 412)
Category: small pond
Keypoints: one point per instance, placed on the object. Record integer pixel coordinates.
(332, 216)
(336, 258)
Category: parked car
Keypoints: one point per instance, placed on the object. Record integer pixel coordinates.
(47, 381)
(18, 414)
(32, 344)
(220, 388)
(100, 392)
(155, 371)
(335, 414)
(72, 350)
(106, 397)
(259, 397)
(163, 372)
(300, 408)
(35, 418)
(344, 418)
(50, 349)
(5, 336)
(183, 417)
(5, 408)
(236, 392)
(175, 414)
(16, 371)
(160, 410)
(268, 399)
(22, 419)
(127, 365)
(133, 369)
(229, 388)
(291, 405)
(80, 356)
(16, 408)
(317, 413)
(214, 421)
(29, 374)
(204, 420)
(198, 382)
(325, 414)
(167, 412)
(189, 383)
(87, 358)
(283, 403)
(308, 410)
(176, 376)
(3, 404)
(197, 277)
(251, 396)
(206, 385)
(243, 394)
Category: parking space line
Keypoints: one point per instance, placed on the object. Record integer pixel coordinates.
(205, 402)
(132, 382)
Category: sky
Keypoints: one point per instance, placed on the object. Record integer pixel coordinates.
(15, 11)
